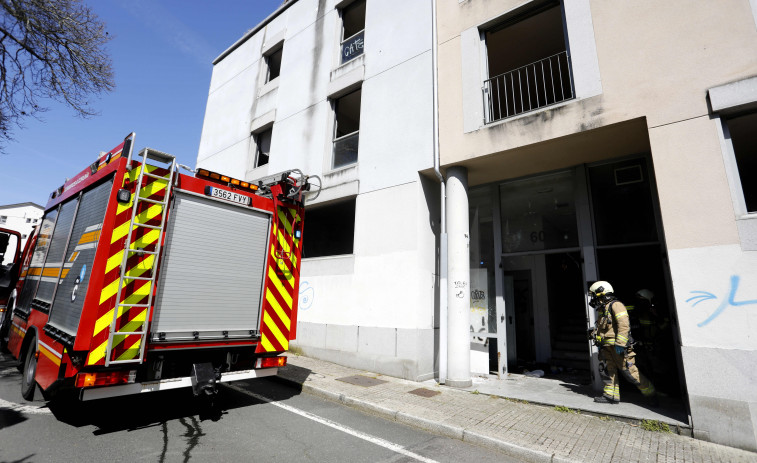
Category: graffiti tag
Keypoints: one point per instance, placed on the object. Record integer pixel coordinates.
(701, 296)
(307, 295)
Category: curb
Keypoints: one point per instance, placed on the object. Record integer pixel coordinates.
(454, 432)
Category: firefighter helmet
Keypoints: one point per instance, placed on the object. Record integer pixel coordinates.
(645, 294)
(601, 288)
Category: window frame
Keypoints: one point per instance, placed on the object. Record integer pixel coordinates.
(267, 57)
(314, 210)
(343, 39)
(334, 138)
(257, 137)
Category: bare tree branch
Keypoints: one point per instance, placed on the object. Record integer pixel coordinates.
(50, 49)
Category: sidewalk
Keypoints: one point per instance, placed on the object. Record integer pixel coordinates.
(533, 433)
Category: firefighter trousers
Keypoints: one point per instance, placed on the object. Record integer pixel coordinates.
(610, 362)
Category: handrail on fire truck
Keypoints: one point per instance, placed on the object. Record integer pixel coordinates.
(125, 277)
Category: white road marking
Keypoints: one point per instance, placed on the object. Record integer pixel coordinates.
(28, 409)
(333, 424)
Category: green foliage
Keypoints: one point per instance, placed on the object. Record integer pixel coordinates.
(517, 401)
(563, 409)
(655, 426)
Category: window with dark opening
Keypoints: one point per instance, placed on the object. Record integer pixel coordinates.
(329, 230)
(263, 141)
(743, 133)
(353, 26)
(529, 66)
(273, 60)
(347, 129)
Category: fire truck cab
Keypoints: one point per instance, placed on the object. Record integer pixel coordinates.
(142, 278)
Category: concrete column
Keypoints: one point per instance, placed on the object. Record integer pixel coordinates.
(458, 279)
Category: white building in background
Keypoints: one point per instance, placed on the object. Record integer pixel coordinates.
(343, 90)
(21, 217)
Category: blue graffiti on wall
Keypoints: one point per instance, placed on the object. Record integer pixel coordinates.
(702, 296)
(307, 294)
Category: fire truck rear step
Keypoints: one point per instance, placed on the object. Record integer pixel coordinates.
(159, 156)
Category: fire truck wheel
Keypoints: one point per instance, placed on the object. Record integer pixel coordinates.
(28, 383)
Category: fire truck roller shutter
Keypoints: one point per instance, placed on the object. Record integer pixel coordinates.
(211, 276)
(53, 267)
(79, 257)
(34, 273)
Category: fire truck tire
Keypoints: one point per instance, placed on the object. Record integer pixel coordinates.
(28, 383)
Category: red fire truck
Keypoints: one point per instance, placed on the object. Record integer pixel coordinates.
(142, 278)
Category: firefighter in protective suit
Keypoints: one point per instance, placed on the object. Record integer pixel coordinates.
(612, 335)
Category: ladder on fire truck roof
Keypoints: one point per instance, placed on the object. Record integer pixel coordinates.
(125, 276)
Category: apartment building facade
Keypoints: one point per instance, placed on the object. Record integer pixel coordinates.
(611, 141)
(342, 90)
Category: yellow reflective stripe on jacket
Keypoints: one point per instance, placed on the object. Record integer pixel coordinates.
(621, 315)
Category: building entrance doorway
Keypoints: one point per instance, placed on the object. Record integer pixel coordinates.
(557, 232)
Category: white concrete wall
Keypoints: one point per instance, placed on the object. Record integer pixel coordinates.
(377, 305)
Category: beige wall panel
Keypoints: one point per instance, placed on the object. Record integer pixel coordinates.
(661, 71)
(683, 49)
(694, 195)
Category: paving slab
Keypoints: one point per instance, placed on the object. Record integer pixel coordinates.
(531, 432)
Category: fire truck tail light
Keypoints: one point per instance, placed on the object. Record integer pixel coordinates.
(105, 378)
(270, 362)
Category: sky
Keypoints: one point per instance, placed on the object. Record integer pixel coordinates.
(162, 53)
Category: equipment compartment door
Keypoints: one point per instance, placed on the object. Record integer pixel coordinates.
(211, 275)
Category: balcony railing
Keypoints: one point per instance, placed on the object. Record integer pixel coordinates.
(542, 83)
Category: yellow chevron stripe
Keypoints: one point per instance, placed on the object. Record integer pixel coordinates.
(267, 344)
(112, 288)
(277, 283)
(131, 352)
(154, 186)
(97, 354)
(277, 308)
(152, 211)
(284, 270)
(275, 330)
(135, 323)
(105, 321)
(146, 240)
(120, 231)
(285, 221)
(283, 242)
(114, 261)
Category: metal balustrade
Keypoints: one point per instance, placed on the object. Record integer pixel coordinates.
(542, 83)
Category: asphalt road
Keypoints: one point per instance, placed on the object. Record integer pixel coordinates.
(257, 420)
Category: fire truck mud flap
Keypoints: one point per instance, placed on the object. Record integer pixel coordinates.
(167, 384)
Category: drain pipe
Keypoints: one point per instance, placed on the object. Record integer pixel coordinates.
(443, 217)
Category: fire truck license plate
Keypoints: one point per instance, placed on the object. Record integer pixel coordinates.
(229, 196)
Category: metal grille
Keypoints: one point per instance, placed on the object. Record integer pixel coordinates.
(542, 83)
